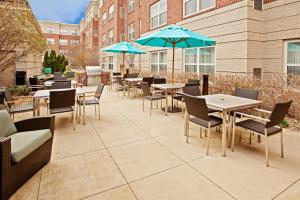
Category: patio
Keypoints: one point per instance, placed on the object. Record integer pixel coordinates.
(131, 155)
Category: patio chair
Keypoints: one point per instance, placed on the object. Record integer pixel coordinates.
(197, 108)
(122, 86)
(63, 101)
(150, 96)
(57, 74)
(114, 78)
(135, 75)
(264, 127)
(25, 147)
(33, 87)
(193, 82)
(82, 81)
(61, 84)
(59, 78)
(95, 101)
(15, 107)
(159, 80)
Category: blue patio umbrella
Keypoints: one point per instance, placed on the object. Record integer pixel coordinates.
(175, 36)
(123, 47)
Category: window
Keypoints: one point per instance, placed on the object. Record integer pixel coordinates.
(63, 42)
(50, 30)
(158, 61)
(193, 6)
(63, 32)
(292, 61)
(111, 36)
(158, 14)
(131, 5)
(200, 60)
(131, 31)
(50, 41)
(104, 18)
(74, 42)
(75, 32)
(103, 40)
(110, 62)
(111, 12)
(103, 62)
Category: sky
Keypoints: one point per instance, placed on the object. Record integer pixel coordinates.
(65, 11)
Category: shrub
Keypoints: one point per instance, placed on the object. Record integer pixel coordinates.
(19, 91)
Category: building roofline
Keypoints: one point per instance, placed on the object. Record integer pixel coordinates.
(49, 21)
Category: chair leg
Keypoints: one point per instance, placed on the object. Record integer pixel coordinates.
(74, 118)
(205, 132)
(95, 110)
(187, 131)
(208, 138)
(281, 144)
(99, 111)
(250, 138)
(143, 104)
(233, 137)
(150, 107)
(267, 149)
(201, 132)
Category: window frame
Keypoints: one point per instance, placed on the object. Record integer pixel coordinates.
(286, 64)
(198, 8)
(158, 14)
(131, 6)
(104, 21)
(50, 43)
(103, 42)
(111, 14)
(110, 39)
(198, 64)
(131, 34)
(159, 59)
(63, 44)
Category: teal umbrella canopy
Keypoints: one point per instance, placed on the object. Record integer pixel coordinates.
(123, 47)
(175, 36)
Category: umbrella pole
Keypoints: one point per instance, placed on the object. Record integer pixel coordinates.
(173, 64)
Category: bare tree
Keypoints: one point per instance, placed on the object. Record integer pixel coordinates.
(84, 57)
(20, 34)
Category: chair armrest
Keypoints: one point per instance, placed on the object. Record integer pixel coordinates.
(263, 111)
(36, 123)
(5, 161)
(251, 116)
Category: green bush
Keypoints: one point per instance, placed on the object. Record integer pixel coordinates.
(57, 63)
(19, 91)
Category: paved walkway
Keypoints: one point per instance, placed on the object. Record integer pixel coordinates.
(130, 155)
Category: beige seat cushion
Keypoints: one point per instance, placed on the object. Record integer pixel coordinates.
(24, 143)
(7, 126)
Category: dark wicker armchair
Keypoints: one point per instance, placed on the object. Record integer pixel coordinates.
(14, 173)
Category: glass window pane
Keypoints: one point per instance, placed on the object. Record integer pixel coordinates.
(203, 4)
(154, 21)
(163, 6)
(154, 57)
(207, 55)
(191, 68)
(162, 67)
(163, 18)
(154, 68)
(191, 56)
(293, 56)
(207, 69)
(190, 7)
(293, 70)
(154, 10)
(163, 57)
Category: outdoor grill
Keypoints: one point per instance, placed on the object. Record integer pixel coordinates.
(93, 74)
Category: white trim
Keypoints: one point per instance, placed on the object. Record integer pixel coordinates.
(285, 64)
(158, 63)
(198, 11)
(158, 15)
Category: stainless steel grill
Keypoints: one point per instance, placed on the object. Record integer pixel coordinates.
(93, 74)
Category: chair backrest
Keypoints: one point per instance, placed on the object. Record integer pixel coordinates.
(59, 78)
(119, 81)
(62, 99)
(99, 90)
(131, 75)
(55, 74)
(159, 80)
(145, 88)
(193, 90)
(193, 82)
(149, 80)
(8, 98)
(196, 107)
(70, 74)
(246, 93)
(280, 110)
(116, 73)
(61, 84)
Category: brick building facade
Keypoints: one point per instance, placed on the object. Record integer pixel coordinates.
(252, 36)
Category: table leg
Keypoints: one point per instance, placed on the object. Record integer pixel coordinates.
(224, 128)
(166, 108)
(34, 106)
(38, 107)
(83, 107)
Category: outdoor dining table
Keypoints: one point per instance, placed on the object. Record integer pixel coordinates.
(132, 82)
(226, 104)
(166, 88)
(44, 94)
(49, 83)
